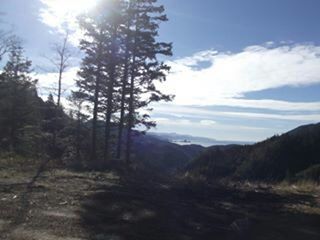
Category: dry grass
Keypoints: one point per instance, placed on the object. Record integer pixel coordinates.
(301, 186)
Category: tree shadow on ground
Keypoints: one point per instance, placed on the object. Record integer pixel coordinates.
(19, 216)
(145, 208)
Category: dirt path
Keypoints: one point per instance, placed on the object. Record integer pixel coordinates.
(77, 206)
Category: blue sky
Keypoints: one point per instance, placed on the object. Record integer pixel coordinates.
(231, 25)
(241, 70)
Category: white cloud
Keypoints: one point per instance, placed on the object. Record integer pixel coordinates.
(256, 68)
(61, 16)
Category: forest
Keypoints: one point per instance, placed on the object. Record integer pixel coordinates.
(88, 163)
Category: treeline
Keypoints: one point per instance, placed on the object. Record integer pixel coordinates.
(117, 78)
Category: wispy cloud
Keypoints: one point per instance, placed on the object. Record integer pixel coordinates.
(208, 123)
(185, 122)
(269, 104)
(202, 112)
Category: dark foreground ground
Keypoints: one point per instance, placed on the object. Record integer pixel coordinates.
(66, 205)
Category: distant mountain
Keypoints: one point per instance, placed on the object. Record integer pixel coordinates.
(161, 155)
(187, 139)
(295, 154)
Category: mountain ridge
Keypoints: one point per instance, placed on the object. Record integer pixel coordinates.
(274, 159)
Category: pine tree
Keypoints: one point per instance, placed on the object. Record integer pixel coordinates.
(19, 103)
(120, 67)
(112, 20)
(126, 33)
(53, 122)
(99, 71)
(145, 67)
(91, 74)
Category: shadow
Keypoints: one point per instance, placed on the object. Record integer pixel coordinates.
(145, 207)
(22, 209)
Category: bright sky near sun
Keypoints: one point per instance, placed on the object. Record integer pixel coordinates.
(241, 70)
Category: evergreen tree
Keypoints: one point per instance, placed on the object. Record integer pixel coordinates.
(120, 67)
(53, 122)
(19, 103)
(91, 74)
(145, 69)
(99, 70)
(125, 62)
(113, 19)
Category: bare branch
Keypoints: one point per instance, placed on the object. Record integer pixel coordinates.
(60, 60)
(7, 40)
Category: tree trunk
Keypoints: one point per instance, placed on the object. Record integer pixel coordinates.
(12, 135)
(93, 156)
(78, 139)
(59, 86)
(62, 65)
(122, 112)
(123, 99)
(131, 100)
(131, 113)
(110, 96)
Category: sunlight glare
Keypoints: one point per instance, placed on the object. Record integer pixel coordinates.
(74, 7)
(61, 15)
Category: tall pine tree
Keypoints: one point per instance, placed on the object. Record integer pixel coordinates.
(145, 69)
(92, 75)
(19, 103)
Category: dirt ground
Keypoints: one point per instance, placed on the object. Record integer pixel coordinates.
(56, 204)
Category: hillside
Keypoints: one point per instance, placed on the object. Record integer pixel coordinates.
(157, 154)
(294, 154)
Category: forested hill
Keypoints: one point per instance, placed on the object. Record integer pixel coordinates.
(293, 155)
(161, 155)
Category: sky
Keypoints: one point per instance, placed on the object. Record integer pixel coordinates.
(241, 70)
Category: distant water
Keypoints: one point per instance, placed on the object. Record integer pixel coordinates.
(208, 143)
(189, 140)
(204, 144)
